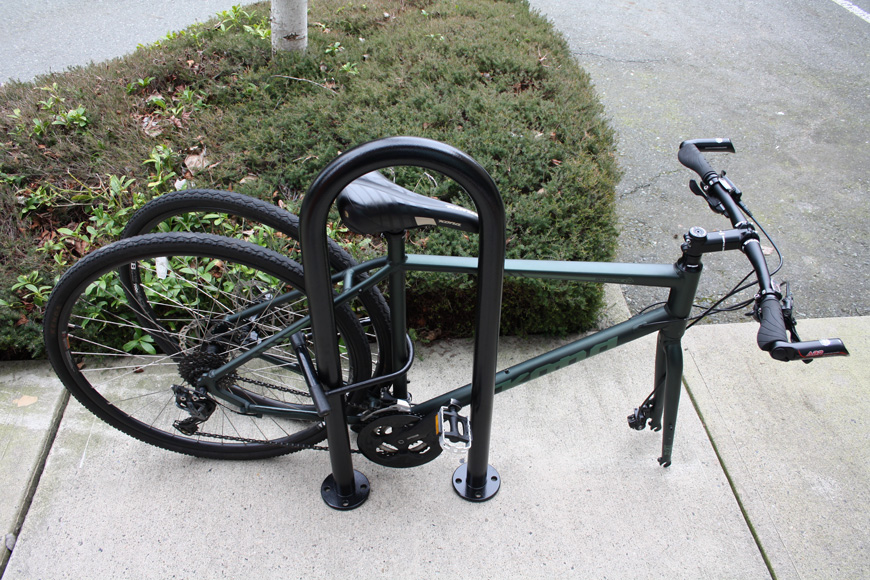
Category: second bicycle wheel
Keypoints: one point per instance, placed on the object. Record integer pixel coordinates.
(135, 355)
(235, 215)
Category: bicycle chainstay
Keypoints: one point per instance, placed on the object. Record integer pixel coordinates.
(297, 446)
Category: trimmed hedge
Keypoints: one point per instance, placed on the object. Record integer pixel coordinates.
(486, 76)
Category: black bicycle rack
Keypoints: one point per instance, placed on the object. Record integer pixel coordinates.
(345, 488)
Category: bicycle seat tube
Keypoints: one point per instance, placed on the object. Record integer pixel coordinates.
(398, 310)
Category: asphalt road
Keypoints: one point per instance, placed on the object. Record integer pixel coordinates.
(787, 81)
(41, 36)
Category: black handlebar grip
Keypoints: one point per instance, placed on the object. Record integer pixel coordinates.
(807, 351)
(772, 324)
(692, 158)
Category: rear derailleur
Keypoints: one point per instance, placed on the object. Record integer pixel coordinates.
(196, 402)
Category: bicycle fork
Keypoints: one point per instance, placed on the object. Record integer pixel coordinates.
(666, 397)
(660, 408)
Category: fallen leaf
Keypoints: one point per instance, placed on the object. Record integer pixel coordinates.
(151, 127)
(429, 335)
(25, 401)
(196, 163)
(81, 247)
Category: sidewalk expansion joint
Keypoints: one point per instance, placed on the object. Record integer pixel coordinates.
(12, 538)
(731, 483)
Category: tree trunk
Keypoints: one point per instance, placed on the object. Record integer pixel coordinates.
(289, 25)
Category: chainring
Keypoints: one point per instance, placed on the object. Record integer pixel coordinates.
(398, 440)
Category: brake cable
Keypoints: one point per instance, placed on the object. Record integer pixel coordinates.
(740, 287)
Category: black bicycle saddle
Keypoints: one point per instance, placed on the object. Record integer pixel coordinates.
(372, 204)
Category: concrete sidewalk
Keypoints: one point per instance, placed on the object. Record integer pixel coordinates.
(794, 440)
(778, 471)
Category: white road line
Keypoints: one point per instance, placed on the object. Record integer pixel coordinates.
(865, 16)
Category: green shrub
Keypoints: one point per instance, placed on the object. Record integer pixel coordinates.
(487, 76)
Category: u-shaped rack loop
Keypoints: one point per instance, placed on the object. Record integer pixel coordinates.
(480, 480)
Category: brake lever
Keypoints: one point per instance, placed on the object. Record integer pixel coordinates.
(714, 203)
(787, 304)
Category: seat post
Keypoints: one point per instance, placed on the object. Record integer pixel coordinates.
(398, 310)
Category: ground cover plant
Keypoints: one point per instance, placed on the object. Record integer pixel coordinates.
(211, 106)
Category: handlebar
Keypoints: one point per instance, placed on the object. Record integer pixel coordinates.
(774, 330)
(772, 336)
(690, 154)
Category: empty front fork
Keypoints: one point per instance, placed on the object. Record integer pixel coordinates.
(666, 396)
(659, 410)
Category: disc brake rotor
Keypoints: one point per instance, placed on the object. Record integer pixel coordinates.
(400, 440)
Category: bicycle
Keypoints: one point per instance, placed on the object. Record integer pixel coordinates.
(217, 347)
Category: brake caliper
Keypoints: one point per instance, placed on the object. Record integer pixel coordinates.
(638, 420)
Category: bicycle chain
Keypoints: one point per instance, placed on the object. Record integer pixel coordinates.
(355, 406)
(271, 386)
(297, 446)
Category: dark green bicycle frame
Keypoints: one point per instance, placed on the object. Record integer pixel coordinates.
(669, 320)
(476, 480)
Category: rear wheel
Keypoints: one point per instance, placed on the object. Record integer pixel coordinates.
(232, 214)
(134, 348)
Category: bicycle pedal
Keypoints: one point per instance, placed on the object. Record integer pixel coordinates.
(454, 430)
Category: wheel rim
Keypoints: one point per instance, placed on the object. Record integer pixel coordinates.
(124, 368)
